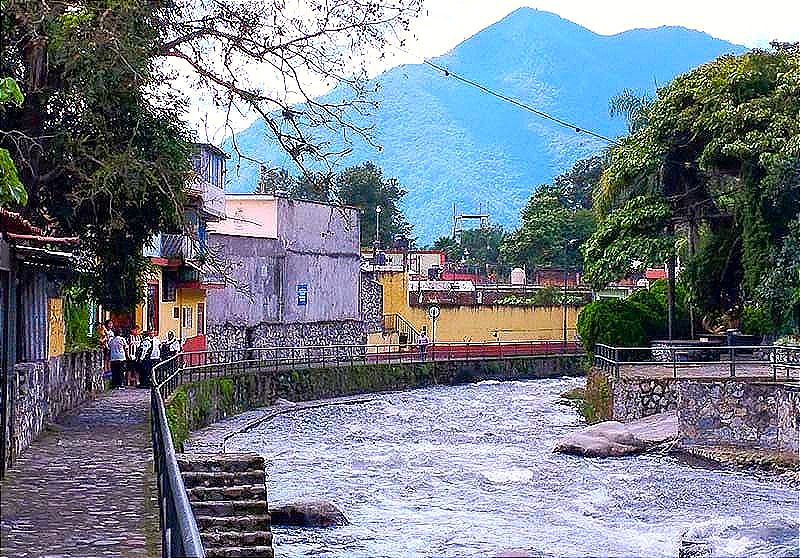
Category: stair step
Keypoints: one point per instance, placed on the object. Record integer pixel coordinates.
(230, 508)
(221, 493)
(237, 538)
(239, 552)
(246, 523)
(220, 462)
(192, 479)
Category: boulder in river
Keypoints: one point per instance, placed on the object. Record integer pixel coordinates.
(316, 513)
(615, 439)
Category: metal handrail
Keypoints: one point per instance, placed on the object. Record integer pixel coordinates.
(180, 535)
(608, 357)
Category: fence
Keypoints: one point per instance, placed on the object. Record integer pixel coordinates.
(697, 360)
(179, 533)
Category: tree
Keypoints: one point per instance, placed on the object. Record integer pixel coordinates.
(232, 48)
(11, 189)
(477, 246)
(720, 149)
(546, 234)
(365, 187)
(103, 156)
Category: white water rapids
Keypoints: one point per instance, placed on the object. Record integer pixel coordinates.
(469, 471)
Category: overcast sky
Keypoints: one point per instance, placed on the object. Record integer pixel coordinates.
(445, 23)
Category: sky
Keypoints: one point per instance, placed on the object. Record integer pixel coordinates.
(443, 24)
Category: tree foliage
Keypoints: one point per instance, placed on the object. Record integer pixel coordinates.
(477, 246)
(103, 156)
(11, 189)
(720, 153)
(556, 221)
(362, 186)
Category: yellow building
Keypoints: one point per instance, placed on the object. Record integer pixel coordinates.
(474, 322)
(175, 298)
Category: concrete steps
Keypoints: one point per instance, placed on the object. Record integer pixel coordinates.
(229, 499)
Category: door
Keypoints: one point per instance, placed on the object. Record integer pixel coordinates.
(152, 307)
(201, 318)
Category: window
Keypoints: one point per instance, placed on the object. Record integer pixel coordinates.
(176, 312)
(170, 285)
(187, 317)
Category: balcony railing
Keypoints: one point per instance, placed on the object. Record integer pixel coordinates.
(213, 197)
(179, 246)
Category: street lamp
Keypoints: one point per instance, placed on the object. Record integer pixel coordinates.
(571, 242)
(377, 225)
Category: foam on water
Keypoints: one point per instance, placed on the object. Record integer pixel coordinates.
(469, 471)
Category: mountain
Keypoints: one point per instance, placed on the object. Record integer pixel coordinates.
(450, 143)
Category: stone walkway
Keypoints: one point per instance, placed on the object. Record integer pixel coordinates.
(86, 487)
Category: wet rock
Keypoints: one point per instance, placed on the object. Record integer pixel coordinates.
(318, 513)
(615, 439)
(574, 393)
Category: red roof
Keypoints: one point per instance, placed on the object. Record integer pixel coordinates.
(655, 273)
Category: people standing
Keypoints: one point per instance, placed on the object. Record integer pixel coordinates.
(134, 356)
(151, 354)
(118, 354)
(171, 347)
(423, 343)
(104, 332)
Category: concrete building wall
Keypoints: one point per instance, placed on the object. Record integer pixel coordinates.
(302, 287)
(481, 322)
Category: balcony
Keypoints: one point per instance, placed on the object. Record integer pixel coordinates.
(212, 197)
(180, 246)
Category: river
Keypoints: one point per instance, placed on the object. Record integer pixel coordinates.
(469, 471)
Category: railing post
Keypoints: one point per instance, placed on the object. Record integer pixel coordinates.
(616, 363)
(733, 362)
(774, 358)
(674, 363)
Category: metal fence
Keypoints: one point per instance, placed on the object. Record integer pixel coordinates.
(696, 360)
(180, 536)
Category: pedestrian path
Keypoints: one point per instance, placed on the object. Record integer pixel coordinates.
(86, 487)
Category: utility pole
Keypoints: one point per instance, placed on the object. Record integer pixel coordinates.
(671, 289)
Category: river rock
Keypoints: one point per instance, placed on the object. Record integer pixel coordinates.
(615, 439)
(317, 513)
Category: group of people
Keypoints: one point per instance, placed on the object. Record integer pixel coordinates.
(132, 359)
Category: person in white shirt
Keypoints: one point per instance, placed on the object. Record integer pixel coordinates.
(118, 354)
(151, 354)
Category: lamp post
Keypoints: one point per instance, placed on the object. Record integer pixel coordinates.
(377, 225)
(571, 242)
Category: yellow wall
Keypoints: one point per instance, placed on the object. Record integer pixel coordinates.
(184, 298)
(56, 327)
(478, 323)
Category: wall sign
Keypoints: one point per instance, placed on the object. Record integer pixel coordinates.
(302, 294)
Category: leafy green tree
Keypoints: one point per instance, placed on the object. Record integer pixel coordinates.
(101, 156)
(477, 246)
(365, 187)
(546, 235)
(11, 189)
(719, 150)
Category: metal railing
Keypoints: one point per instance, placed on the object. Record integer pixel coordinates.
(397, 323)
(180, 536)
(687, 359)
(200, 365)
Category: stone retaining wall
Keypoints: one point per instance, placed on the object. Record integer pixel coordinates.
(230, 336)
(739, 414)
(201, 403)
(42, 390)
(635, 398)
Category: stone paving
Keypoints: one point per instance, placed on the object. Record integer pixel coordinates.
(86, 487)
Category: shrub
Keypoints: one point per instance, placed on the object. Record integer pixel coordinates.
(755, 320)
(613, 322)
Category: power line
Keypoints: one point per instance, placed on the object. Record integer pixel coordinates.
(449, 73)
